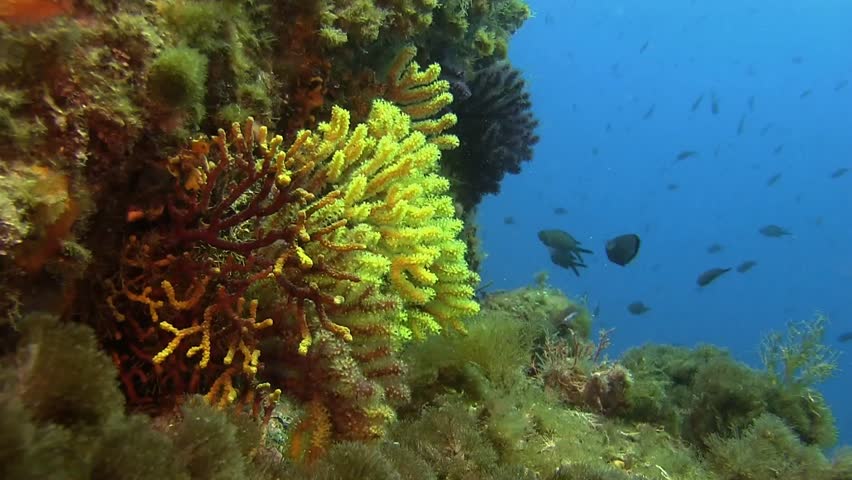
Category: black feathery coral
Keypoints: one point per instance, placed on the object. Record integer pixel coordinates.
(497, 132)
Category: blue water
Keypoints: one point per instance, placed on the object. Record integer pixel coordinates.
(584, 68)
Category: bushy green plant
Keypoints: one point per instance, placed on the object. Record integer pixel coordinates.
(798, 357)
(355, 461)
(585, 471)
(703, 392)
(728, 396)
(494, 353)
(767, 450)
(82, 397)
(62, 416)
(177, 80)
(805, 411)
(450, 438)
(841, 467)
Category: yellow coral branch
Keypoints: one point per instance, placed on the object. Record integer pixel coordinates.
(197, 290)
(144, 297)
(222, 393)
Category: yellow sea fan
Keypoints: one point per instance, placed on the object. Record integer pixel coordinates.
(399, 232)
(422, 96)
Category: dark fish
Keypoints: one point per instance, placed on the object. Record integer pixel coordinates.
(741, 125)
(565, 250)
(746, 266)
(773, 179)
(684, 154)
(751, 103)
(778, 149)
(638, 308)
(622, 249)
(709, 276)
(558, 239)
(765, 129)
(715, 248)
(595, 151)
(797, 60)
(714, 104)
(840, 85)
(672, 187)
(773, 231)
(649, 113)
(697, 103)
(643, 47)
(509, 220)
(844, 337)
(839, 172)
(560, 211)
(608, 127)
(805, 93)
(567, 260)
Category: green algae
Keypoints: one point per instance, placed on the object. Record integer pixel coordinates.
(176, 79)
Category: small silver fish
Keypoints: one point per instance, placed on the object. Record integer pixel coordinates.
(570, 316)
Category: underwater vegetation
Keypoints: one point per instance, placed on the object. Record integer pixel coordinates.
(699, 393)
(328, 251)
(237, 241)
(63, 417)
(482, 408)
(364, 21)
(473, 33)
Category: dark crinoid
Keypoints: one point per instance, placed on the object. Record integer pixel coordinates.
(497, 132)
